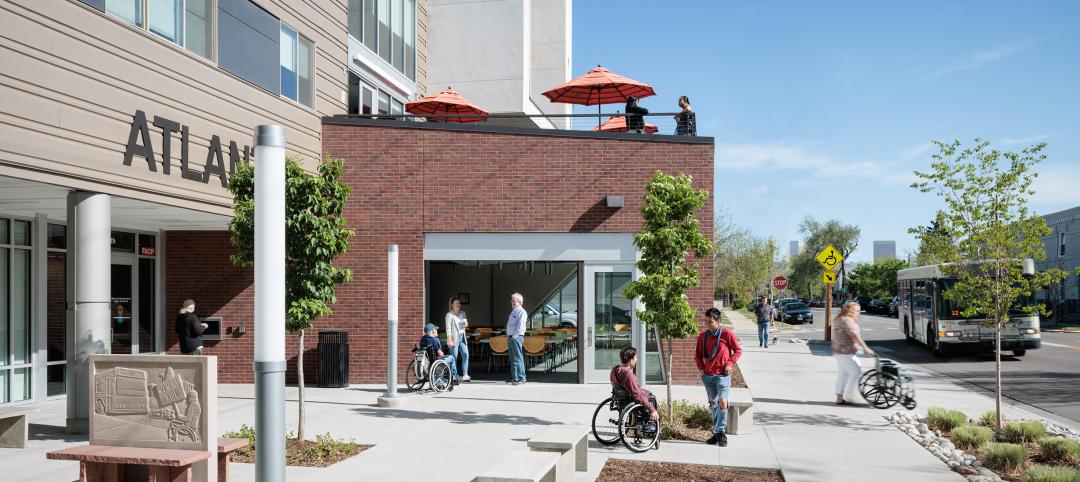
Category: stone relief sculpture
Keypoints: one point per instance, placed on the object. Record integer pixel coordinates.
(151, 403)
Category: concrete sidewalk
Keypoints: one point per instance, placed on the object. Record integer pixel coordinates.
(815, 440)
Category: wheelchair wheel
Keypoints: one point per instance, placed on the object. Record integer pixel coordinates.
(415, 377)
(605, 422)
(865, 379)
(440, 376)
(882, 391)
(908, 403)
(634, 431)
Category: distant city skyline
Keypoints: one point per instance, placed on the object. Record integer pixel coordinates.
(884, 250)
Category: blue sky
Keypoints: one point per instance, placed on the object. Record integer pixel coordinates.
(826, 108)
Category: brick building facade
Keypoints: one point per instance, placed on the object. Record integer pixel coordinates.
(413, 179)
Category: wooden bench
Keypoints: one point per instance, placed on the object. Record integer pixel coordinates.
(225, 448)
(571, 443)
(740, 411)
(522, 467)
(104, 463)
(13, 426)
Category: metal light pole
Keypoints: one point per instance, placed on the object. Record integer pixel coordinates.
(391, 398)
(270, 303)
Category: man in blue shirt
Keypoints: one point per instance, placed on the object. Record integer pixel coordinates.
(515, 332)
(431, 340)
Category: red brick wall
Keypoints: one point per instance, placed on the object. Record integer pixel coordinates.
(410, 181)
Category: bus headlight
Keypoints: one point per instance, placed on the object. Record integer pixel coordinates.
(950, 333)
(1031, 331)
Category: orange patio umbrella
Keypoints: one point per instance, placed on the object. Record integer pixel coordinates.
(447, 102)
(617, 123)
(599, 86)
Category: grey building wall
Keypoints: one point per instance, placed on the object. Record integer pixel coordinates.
(884, 250)
(1063, 252)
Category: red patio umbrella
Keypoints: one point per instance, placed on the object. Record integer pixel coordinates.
(617, 123)
(599, 86)
(447, 102)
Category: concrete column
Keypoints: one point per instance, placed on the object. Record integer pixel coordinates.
(89, 259)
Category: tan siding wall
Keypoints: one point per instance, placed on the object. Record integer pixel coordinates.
(421, 48)
(74, 77)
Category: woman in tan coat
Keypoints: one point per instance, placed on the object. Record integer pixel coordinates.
(845, 343)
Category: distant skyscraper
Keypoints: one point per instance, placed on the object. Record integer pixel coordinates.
(884, 250)
(795, 248)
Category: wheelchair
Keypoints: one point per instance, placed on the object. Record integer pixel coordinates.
(887, 384)
(424, 371)
(620, 419)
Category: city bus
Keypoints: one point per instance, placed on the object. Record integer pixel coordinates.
(927, 317)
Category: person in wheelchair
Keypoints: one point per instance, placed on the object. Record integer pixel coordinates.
(624, 381)
(430, 342)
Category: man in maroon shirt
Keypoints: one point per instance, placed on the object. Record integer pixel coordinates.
(623, 376)
(717, 350)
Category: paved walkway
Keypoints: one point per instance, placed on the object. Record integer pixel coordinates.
(456, 435)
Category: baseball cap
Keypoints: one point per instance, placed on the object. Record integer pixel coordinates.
(430, 326)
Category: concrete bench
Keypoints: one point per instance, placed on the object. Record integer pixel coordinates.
(13, 426)
(571, 443)
(225, 448)
(740, 411)
(522, 467)
(105, 463)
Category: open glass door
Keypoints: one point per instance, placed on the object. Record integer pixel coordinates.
(608, 318)
(121, 306)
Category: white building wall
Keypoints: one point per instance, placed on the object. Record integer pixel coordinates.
(884, 250)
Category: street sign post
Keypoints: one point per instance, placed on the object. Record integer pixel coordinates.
(780, 282)
(829, 258)
(828, 277)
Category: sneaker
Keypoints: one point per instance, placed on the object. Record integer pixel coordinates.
(722, 440)
(515, 382)
(712, 440)
(650, 427)
(466, 379)
(521, 382)
(455, 382)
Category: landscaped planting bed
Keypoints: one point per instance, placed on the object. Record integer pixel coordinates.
(692, 420)
(617, 470)
(1023, 450)
(324, 451)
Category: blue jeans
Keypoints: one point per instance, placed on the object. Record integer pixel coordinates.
(517, 359)
(763, 333)
(717, 387)
(461, 352)
(453, 369)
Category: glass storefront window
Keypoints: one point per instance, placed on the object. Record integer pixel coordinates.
(57, 236)
(5, 231)
(55, 307)
(20, 233)
(56, 383)
(384, 103)
(5, 305)
(147, 245)
(123, 242)
(20, 306)
(147, 286)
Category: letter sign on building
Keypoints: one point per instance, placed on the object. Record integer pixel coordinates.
(140, 144)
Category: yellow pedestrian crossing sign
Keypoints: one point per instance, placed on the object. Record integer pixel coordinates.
(828, 277)
(829, 258)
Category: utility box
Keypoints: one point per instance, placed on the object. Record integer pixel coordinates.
(333, 358)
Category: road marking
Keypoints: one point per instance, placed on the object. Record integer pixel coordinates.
(1046, 343)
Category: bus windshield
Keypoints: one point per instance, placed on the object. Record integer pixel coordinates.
(950, 310)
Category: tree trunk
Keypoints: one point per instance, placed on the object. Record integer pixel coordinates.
(667, 378)
(997, 373)
(300, 379)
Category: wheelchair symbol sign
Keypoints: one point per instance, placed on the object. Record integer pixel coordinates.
(829, 258)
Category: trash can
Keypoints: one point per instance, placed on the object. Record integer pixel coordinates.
(333, 358)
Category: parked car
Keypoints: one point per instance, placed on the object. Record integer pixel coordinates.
(796, 312)
(894, 307)
(877, 307)
(816, 304)
(864, 302)
(549, 314)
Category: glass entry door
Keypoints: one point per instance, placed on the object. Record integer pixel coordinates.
(609, 318)
(121, 305)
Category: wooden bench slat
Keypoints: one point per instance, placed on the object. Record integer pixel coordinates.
(129, 455)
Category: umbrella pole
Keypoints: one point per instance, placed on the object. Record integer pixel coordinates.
(599, 116)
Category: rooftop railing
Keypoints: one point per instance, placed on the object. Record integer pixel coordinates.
(663, 123)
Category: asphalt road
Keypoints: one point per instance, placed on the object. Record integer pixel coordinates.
(1047, 378)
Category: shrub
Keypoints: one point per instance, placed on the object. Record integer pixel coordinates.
(1046, 473)
(945, 420)
(989, 418)
(1057, 450)
(687, 415)
(1022, 431)
(1004, 456)
(247, 432)
(971, 436)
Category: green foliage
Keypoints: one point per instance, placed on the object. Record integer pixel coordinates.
(876, 280)
(945, 420)
(1057, 450)
(936, 243)
(989, 418)
(971, 436)
(315, 234)
(247, 432)
(805, 278)
(743, 262)
(685, 415)
(671, 230)
(324, 451)
(1004, 456)
(1046, 473)
(1022, 431)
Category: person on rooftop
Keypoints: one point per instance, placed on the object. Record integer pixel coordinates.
(634, 121)
(685, 120)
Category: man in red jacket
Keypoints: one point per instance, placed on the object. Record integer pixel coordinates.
(717, 351)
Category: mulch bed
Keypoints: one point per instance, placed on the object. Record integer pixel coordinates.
(616, 470)
(305, 453)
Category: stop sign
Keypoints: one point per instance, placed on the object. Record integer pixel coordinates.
(779, 282)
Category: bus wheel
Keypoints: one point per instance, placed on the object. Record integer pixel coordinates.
(935, 344)
(907, 333)
(1019, 352)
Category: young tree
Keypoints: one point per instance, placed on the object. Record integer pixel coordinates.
(805, 270)
(935, 242)
(742, 262)
(315, 234)
(671, 231)
(986, 194)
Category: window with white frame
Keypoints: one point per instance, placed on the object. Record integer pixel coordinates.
(387, 28)
(15, 279)
(183, 22)
(296, 61)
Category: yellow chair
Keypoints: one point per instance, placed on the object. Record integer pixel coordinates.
(499, 348)
(535, 347)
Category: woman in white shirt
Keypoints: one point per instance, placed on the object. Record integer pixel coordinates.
(455, 337)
